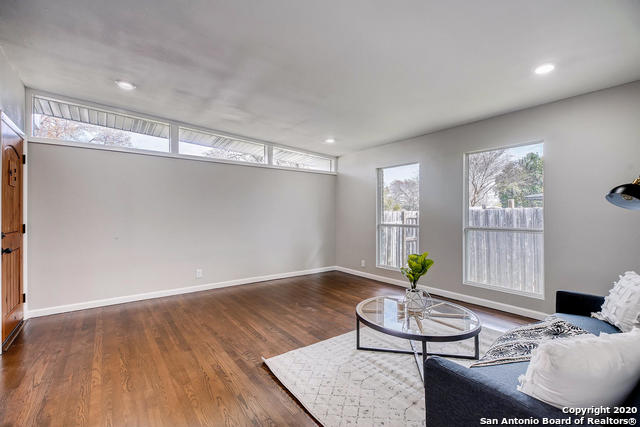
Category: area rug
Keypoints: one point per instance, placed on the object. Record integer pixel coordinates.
(342, 386)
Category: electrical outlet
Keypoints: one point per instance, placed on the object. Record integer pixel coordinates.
(198, 273)
(363, 263)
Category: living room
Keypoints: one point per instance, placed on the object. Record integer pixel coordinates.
(285, 213)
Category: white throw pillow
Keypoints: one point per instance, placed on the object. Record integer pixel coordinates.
(585, 370)
(621, 307)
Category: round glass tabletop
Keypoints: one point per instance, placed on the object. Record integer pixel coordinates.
(445, 321)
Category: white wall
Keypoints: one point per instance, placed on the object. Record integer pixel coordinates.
(11, 92)
(592, 143)
(106, 224)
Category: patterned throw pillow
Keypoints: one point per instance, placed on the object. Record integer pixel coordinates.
(621, 307)
(517, 344)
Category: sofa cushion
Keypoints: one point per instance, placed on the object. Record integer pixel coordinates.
(584, 371)
(459, 396)
(508, 373)
(589, 324)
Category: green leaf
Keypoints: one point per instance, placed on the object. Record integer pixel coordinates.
(429, 263)
(417, 266)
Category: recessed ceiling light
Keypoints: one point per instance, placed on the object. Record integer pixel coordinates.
(125, 85)
(329, 140)
(544, 69)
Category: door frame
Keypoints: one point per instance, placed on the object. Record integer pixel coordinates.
(8, 122)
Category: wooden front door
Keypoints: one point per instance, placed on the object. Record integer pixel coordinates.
(12, 299)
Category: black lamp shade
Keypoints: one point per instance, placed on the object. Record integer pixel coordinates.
(626, 196)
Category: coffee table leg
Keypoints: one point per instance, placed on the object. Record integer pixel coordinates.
(357, 333)
(425, 356)
(424, 382)
(416, 355)
(475, 356)
(476, 342)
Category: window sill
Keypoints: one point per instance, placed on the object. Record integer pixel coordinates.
(37, 140)
(539, 296)
(388, 267)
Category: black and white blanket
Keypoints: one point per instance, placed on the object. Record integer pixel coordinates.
(517, 344)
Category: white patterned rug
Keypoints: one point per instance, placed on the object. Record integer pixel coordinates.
(342, 386)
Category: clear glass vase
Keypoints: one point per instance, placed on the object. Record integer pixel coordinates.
(417, 301)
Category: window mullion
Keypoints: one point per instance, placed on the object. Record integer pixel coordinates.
(269, 154)
(174, 138)
(516, 230)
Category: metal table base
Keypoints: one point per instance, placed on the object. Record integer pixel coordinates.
(420, 361)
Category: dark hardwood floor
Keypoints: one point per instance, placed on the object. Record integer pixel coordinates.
(191, 359)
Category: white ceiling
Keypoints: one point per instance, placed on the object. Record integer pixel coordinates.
(296, 72)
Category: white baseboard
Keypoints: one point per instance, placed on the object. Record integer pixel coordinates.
(207, 286)
(453, 295)
(168, 292)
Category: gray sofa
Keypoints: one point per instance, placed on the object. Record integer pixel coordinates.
(458, 396)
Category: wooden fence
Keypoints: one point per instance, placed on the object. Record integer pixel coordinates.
(397, 242)
(512, 258)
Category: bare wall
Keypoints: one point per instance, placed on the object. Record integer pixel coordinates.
(107, 224)
(592, 143)
(11, 92)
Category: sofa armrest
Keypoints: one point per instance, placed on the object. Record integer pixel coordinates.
(459, 396)
(577, 303)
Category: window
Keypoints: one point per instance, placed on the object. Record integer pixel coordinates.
(398, 215)
(66, 121)
(197, 143)
(504, 228)
(295, 159)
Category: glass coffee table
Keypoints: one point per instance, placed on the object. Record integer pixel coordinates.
(445, 322)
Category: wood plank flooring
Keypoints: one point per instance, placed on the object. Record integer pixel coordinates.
(185, 360)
